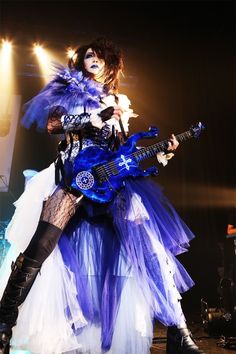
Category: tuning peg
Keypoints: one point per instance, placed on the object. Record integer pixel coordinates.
(196, 129)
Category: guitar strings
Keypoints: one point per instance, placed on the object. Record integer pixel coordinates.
(110, 168)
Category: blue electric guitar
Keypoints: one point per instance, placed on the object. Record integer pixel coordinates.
(100, 174)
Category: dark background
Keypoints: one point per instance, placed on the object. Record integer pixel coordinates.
(179, 70)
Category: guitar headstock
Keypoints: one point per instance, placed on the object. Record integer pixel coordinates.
(196, 129)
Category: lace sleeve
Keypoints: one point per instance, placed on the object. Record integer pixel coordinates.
(54, 124)
(75, 121)
(60, 121)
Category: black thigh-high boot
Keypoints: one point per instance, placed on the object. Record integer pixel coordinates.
(180, 341)
(24, 272)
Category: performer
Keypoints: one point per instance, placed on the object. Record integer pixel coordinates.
(229, 251)
(90, 277)
(228, 245)
(231, 226)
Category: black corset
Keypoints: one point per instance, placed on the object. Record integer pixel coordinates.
(100, 137)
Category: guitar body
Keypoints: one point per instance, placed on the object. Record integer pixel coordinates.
(99, 174)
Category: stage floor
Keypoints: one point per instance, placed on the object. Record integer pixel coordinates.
(209, 345)
(203, 340)
(206, 343)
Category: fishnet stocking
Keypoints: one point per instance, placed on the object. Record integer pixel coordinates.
(59, 208)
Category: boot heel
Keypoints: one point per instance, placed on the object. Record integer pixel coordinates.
(180, 341)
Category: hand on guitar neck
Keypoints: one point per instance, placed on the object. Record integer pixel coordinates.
(172, 143)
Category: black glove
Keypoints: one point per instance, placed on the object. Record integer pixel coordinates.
(107, 113)
(90, 132)
(62, 145)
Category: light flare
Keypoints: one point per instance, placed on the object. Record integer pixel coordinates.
(70, 53)
(7, 85)
(44, 60)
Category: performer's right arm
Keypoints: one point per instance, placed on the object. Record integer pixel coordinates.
(60, 121)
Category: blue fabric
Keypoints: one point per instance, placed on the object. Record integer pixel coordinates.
(103, 248)
(69, 88)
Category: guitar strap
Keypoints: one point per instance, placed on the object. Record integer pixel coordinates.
(120, 122)
(123, 130)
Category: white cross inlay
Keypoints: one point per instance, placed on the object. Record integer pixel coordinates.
(85, 180)
(125, 162)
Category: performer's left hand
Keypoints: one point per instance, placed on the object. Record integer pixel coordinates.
(118, 111)
(172, 143)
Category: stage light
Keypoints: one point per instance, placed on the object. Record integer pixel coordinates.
(41, 53)
(38, 50)
(70, 53)
(9, 111)
(6, 53)
(6, 47)
(44, 60)
(6, 71)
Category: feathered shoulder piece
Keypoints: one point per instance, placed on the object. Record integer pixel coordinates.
(68, 88)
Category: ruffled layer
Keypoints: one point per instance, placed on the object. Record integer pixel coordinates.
(138, 236)
(50, 311)
(114, 271)
(29, 206)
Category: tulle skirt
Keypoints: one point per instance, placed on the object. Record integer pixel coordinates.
(112, 273)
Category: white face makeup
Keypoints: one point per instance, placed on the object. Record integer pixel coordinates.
(93, 64)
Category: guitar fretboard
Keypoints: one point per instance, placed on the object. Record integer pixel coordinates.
(152, 150)
(110, 168)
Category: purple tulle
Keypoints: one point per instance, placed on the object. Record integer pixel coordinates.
(104, 246)
(99, 288)
(69, 89)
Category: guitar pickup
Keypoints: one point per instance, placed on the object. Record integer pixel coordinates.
(103, 172)
(100, 173)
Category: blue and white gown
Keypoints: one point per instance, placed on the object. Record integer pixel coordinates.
(113, 272)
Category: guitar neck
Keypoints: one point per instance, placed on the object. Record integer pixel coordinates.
(152, 150)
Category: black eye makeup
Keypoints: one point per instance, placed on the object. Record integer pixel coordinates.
(89, 55)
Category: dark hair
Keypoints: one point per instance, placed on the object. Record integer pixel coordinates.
(106, 50)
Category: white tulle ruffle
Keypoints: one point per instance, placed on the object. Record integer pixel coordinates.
(44, 322)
